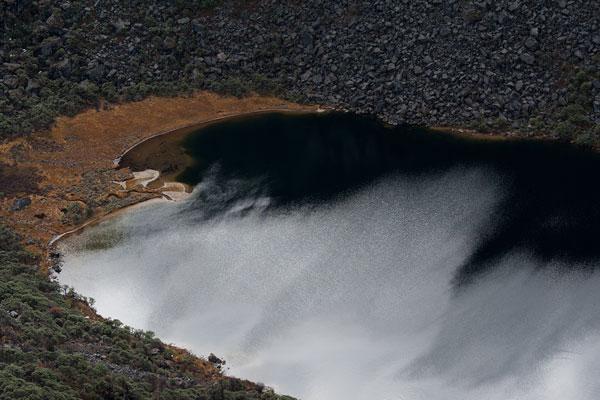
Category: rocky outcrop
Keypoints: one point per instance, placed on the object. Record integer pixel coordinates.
(521, 65)
(20, 203)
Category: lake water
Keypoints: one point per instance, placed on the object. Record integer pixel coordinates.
(332, 257)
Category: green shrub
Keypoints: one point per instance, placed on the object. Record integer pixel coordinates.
(75, 214)
(264, 86)
(9, 240)
(565, 129)
(586, 139)
(231, 87)
(536, 124)
(109, 92)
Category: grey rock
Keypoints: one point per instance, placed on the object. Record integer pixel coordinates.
(221, 57)
(87, 86)
(307, 39)
(55, 20)
(96, 72)
(33, 86)
(12, 81)
(20, 204)
(196, 26)
(64, 67)
(170, 43)
(49, 45)
(519, 86)
(11, 66)
(15, 94)
(118, 25)
(527, 58)
(531, 43)
(214, 359)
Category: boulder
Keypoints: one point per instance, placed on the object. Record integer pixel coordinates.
(118, 25)
(49, 46)
(12, 81)
(55, 21)
(214, 359)
(527, 58)
(33, 86)
(531, 43)
(20, 204)
(169, 43)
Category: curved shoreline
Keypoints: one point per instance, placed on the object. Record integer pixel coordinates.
(94, 143)
(199, 125)
(462, 132)
(66, 174)
(52, 243)
(97, 220)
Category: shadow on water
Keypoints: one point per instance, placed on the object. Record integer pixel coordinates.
(552, 192)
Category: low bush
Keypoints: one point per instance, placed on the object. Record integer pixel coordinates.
(75, 214)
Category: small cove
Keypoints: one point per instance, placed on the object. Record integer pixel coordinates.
(333, 257)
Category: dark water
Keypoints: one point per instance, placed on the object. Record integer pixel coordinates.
(334, 258)
(551, 204)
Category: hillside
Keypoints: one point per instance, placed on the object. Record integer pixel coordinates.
(527, 67)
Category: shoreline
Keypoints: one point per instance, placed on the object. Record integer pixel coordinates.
(199, 125)
(96, 141)
(64, 178)
(161, 197)
(53, 243)
(77, 163)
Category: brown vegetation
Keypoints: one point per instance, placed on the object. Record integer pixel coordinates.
(72, 165)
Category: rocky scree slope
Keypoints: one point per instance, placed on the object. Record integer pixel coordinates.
(526, 66)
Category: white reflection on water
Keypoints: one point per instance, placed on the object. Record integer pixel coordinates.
(353, 300)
